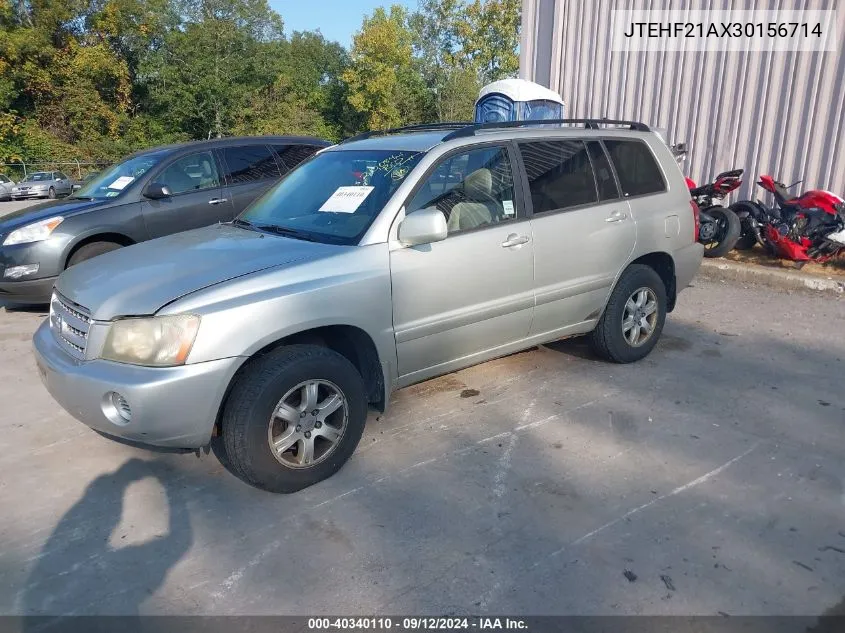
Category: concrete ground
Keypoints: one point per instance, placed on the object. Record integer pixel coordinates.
(706, 479)
(7, 206)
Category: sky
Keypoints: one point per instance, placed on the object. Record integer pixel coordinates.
(337, 20)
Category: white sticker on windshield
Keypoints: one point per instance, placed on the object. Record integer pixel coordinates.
(508, 206)
(346, 199)
(121, 182)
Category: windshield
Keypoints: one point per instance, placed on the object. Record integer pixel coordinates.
(39, 175)
(111, 182)
(334, 197)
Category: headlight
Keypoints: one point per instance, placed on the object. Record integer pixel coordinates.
(35, 232)
(153, 341)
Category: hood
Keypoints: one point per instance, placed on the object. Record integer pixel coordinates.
(143, 278)
(66, 207)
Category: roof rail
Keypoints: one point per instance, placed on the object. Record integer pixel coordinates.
(590, 124)
(420, 127)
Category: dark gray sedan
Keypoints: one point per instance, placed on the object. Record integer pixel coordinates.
(42, 184)
(150, 194)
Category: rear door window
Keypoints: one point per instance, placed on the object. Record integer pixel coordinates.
(636, 167)
(249, 163)
(560, 174)
(604, 174)
(292, 155)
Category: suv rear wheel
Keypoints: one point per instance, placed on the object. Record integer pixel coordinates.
(293, 418)
(634, 317)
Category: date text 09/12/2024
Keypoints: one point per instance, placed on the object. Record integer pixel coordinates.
(417, 624)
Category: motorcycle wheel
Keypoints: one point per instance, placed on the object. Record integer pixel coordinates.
(746, 241)
(727, 233)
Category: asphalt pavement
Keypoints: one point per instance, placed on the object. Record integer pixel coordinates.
(706, 479)
(8, 206)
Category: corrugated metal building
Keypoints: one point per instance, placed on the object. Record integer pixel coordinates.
(781, 113)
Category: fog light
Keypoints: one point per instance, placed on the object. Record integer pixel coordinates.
(16, 272)
(116, 408)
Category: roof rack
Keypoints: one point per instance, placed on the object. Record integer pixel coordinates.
(460, 129)
(420, 127)
(590, 124)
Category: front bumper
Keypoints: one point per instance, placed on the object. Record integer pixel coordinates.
(27, 291)
(32, 193)
(174, 407)
(35, 288)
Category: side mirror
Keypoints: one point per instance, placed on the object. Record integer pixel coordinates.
(157, 191)
(423, 227)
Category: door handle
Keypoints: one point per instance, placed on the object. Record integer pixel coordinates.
(616, 216)
(515, 240)
(217, 201)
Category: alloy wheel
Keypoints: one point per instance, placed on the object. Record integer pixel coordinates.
(308, 423)
(639, 318)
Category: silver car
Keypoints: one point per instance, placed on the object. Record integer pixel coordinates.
(381, 262)
(43, 184)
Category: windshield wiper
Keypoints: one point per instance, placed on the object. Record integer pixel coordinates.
(244, 223)
(80, 198)
(286, 232)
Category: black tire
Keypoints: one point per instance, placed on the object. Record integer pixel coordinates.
(51, 193)
(253, 398)
(726, 235)
(91, 250)
(608, 340)
(746, 241)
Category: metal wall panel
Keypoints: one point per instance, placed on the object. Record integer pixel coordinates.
(781, 113)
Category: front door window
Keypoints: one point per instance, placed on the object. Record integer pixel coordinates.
(194, 172)
(473, 189)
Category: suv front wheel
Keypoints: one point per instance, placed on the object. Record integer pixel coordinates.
(634, 317)
(293, 418)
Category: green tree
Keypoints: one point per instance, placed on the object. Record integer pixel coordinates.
(489, 35)
(453, 84)
(131, 27)
(204, 71)
(311, 68)
(97, 79)
(385, 87)
(57, 79)
(279, 109)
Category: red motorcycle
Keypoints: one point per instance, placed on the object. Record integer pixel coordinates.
(720, 227)
(800, 228)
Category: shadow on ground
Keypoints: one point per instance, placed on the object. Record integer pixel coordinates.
(84, 569)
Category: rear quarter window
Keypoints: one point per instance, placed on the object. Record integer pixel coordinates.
(636, 167)
(248, 163)
(292, 155)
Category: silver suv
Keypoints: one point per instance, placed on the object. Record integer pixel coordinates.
(383, 261)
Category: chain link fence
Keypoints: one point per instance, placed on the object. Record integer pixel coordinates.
(18, 170)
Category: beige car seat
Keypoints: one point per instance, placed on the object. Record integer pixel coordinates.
(208, 179)
(479, 208)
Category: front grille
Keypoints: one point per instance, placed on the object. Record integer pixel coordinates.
(69, 323)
